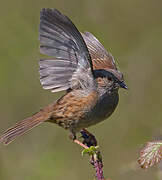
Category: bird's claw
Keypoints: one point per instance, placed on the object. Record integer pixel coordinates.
(88, 138)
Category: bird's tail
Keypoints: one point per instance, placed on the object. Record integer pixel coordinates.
(23, 126)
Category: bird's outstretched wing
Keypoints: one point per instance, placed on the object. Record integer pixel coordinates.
(70, 65)
(101, 59)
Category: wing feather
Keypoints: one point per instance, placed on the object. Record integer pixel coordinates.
(101, 59)
(71, 65)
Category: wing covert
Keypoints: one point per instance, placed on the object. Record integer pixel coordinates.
(101, 59)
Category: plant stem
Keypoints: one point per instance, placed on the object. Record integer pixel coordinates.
(95, 156)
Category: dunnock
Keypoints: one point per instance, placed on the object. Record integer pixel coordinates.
(81, 66)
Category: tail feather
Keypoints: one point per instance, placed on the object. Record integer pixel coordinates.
(23, 126)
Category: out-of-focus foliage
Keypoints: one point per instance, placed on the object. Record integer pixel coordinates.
(132, 32)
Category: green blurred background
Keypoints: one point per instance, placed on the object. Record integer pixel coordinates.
(132, 31)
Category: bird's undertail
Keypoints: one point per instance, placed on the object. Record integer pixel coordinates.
(23, 126)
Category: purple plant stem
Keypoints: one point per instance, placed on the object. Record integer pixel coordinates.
(96, 158)
(98, 165)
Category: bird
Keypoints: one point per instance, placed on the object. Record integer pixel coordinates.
(79, 65)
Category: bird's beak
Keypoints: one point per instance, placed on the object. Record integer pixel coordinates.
(123, 85)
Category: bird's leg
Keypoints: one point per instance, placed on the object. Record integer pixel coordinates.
(89, 139)
(72, 136)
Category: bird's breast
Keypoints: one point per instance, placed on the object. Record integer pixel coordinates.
(106, 105)
(103, 108)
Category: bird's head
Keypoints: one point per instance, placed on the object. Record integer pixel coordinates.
(117, 78)
(112, 79)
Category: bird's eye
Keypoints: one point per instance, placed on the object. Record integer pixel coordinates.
(110, 78)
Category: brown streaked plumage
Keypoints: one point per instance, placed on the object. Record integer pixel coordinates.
(81, 66)
(70, 109)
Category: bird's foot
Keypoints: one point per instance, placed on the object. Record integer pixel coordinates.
(72, 136)
(88, 138)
